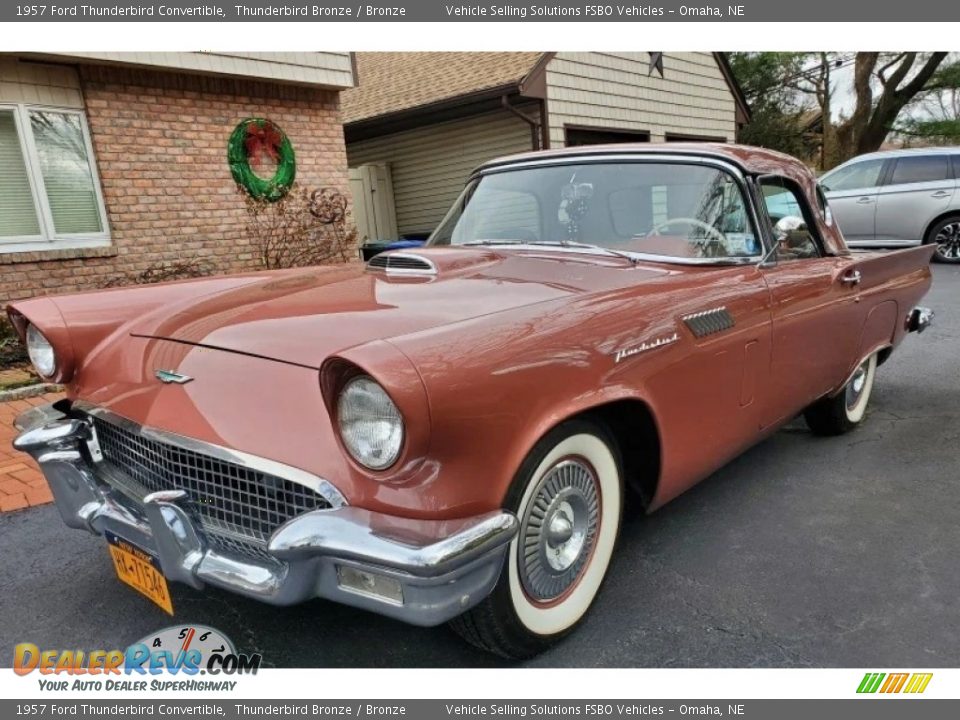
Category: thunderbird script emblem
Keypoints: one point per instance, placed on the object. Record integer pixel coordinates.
(169, 376)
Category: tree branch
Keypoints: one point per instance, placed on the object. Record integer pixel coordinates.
(905, 61)
(920, 79)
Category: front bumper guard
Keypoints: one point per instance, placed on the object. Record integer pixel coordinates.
(442, 568)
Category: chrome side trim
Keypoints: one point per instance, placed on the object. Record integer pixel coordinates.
(319, 485)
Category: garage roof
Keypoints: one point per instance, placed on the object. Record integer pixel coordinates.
(391, 83)
(394, 81)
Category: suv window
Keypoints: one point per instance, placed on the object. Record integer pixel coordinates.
(791, 218)
(920, 168)
(864, 174)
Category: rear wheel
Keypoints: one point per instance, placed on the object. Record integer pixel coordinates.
(945, 234)
(844, 411)
(568, 498)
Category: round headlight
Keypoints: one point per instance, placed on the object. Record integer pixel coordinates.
(370, 424)
(41, 352)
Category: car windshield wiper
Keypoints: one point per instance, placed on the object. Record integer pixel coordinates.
(495, 242)
(590, 246)
(555, 243)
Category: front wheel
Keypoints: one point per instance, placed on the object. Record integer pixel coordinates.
(946, 236)
(844, 411)
(568, 498)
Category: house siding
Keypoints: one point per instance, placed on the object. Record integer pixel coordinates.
(160, 142)
(429, 165)
(328, 69)
(616, 91)
(39, 84)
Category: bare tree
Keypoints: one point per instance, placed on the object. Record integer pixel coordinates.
(901, 77)
(816, 81)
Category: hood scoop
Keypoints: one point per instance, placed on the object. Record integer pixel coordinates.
(402, 264)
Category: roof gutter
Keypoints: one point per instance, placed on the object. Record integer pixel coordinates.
(535, 130)
(444, 110)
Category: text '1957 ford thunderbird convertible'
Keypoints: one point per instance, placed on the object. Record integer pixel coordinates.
(448, 434)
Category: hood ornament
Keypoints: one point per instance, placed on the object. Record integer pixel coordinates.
(169, 376)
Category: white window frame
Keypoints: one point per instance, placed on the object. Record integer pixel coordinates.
(49, 239)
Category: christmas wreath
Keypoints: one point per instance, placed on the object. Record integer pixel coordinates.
(251, 143)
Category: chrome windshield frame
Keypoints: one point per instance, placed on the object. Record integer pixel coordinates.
(731, 169)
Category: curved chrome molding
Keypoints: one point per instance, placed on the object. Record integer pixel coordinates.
(352, 534)
(319, 485)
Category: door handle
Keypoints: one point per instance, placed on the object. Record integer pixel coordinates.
(865, 200)
(940, 194)
(852, 278)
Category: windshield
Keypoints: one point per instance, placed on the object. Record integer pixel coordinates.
(664, 209)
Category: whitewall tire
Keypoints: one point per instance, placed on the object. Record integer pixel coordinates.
(847, 409)
(568, 496)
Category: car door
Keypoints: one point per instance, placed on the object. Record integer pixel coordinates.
(919, 188)
(813, 302)
(852, 191)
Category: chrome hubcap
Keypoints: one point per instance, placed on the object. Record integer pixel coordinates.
(558, 530)
(948, 241)
(856, 385)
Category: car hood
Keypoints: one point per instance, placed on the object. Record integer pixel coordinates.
(303, 317)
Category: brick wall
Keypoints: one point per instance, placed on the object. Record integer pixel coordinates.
(160, 144)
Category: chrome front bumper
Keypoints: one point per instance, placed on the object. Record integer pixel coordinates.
(434, 570)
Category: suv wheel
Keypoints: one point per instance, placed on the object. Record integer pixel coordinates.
(945, 234)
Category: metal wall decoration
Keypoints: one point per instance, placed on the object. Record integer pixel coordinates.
(656, 63)
(252, 142)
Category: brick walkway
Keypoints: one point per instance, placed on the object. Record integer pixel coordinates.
(21, 484)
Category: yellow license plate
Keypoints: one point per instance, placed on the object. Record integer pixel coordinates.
(140, 570)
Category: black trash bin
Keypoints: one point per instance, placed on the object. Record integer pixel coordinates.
(369, 249)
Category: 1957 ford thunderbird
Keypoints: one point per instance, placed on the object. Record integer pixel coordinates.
(448, 434)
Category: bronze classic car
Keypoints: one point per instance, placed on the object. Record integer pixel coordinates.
(449, 434)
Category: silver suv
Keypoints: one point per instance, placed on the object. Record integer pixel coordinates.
(899, 197)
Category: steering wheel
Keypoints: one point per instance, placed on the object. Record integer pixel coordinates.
(710, 229)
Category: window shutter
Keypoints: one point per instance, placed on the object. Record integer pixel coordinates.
(18, 215)
(66, 172)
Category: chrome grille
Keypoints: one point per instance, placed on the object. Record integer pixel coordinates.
(233, 546)
(238, 507)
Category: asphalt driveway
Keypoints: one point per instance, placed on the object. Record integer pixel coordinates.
(803, 552)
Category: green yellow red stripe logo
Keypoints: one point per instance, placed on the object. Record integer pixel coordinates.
(897, 682)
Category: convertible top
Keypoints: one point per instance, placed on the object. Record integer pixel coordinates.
(753, 160)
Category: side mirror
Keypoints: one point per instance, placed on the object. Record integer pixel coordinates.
(788, 225)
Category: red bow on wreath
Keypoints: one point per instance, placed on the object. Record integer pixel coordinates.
(262, 140)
